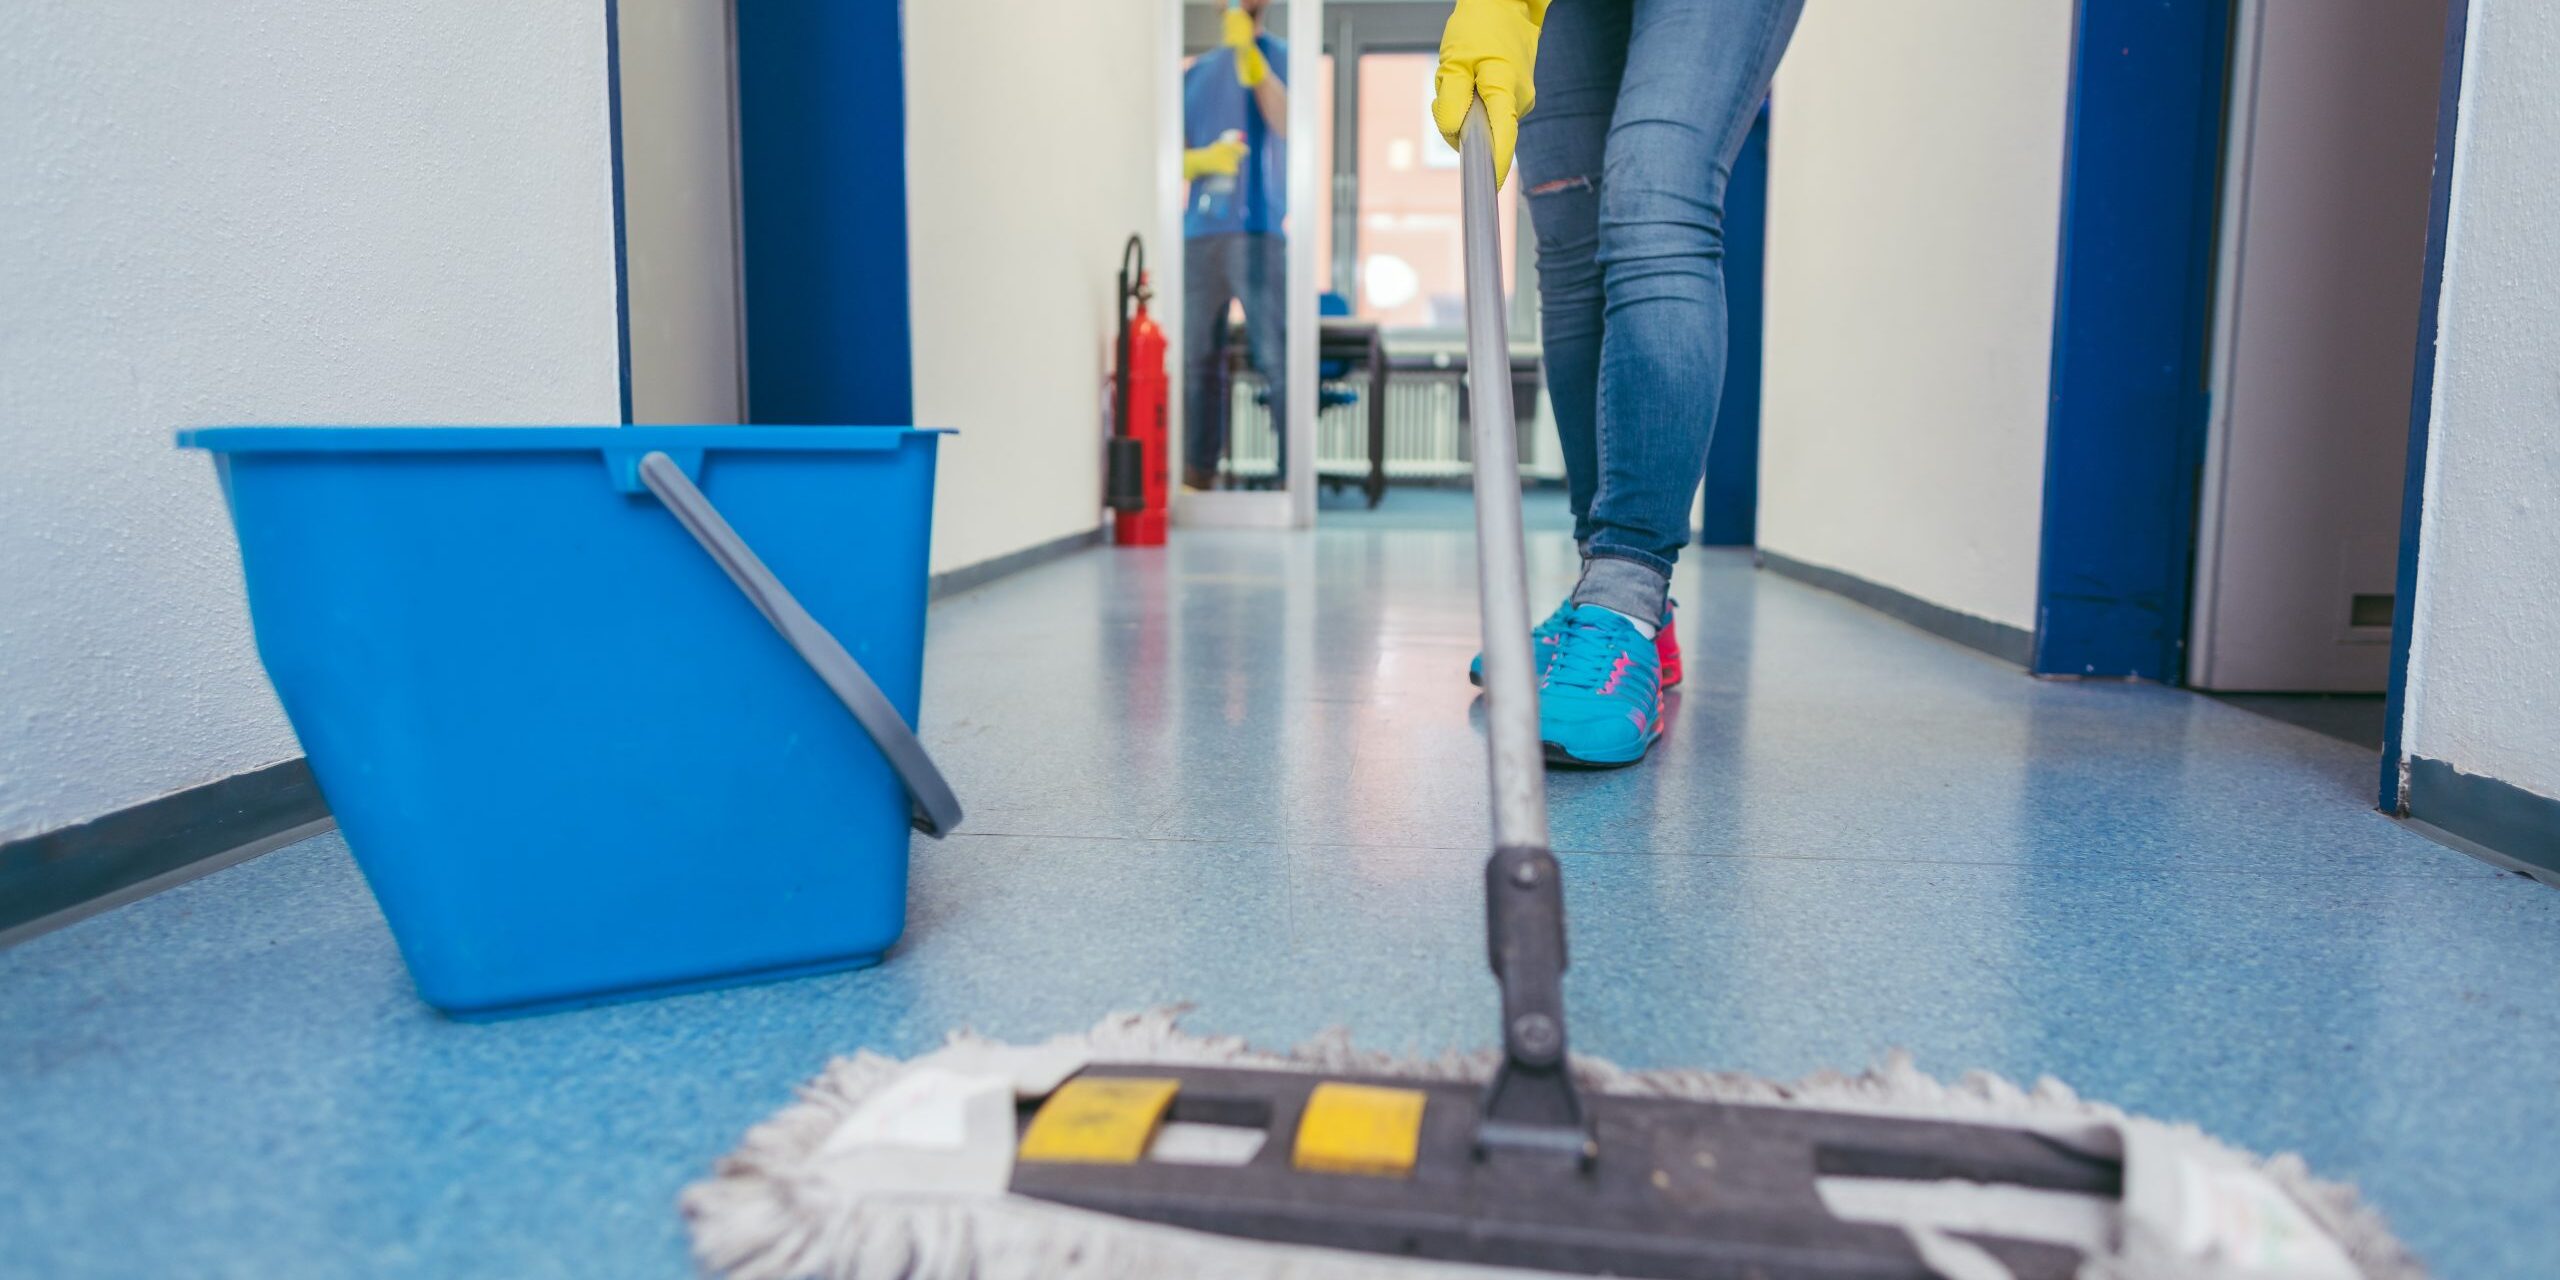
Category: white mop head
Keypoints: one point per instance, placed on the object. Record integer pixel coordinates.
(803, 1197)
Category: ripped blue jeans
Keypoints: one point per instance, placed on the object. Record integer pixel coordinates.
(1642, 106)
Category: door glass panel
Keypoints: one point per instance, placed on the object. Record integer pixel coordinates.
(1239, 229)
(1412, 265)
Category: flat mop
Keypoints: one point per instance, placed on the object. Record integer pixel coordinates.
(1138, 1150)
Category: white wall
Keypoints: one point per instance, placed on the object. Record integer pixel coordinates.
(257, 210)
(2484, 663)
(1915, 196)
(1031, 157)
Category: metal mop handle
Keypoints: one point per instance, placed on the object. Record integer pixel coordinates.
(1510, 693)
(1530, 1106)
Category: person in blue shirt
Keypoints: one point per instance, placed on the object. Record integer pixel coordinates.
(1235, 126)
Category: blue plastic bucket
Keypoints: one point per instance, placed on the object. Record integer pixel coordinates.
(572, 757)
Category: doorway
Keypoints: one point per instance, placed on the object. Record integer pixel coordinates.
(1390, 368)
(2246, 194)
(1394, 293)
(1246, 86)
(2327, 165)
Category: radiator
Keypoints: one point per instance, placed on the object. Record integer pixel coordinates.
(1426, 440)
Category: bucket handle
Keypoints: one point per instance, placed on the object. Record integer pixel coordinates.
(936, 811)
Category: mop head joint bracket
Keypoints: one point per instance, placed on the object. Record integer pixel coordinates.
(1530, 1106)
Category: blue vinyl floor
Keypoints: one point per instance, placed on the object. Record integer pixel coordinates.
(1245, 773)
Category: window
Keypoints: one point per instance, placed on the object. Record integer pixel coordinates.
(1411, 265)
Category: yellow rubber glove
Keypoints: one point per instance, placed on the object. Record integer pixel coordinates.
(1251, 67)
(1488, 50)
(1221, 158)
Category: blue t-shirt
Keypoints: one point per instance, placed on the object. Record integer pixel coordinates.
(1212, 104)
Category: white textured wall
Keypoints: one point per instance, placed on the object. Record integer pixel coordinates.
(1031, 157)
(255, 210)
(1915, 198)
(2484, 664)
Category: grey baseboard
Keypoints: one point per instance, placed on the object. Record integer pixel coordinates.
(2009, 644)
(954, 581)
(52, 879)
(2507, 823)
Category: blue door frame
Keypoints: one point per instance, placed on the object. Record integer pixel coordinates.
(2124, 435)
(1731, 515)
(621, 241)
(822, 165)
(2390, 797)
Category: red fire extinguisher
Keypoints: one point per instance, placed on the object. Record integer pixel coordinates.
(1135, 477)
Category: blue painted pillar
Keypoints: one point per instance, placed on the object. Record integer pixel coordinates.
(822, 161)
(1732, 515)
(2124, 436)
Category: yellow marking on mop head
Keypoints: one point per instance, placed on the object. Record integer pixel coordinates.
(1359, 1128)
(1098, 1120)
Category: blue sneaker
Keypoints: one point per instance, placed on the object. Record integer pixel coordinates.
(1542, 647)
(1600, 705)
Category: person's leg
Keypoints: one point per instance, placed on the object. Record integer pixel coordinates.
(1266, 328)
(1207, 287)
(1581, 55)
(1696, 73)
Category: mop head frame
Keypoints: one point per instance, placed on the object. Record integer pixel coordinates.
(1995, 1182)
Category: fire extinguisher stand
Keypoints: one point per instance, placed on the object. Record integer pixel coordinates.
(1135, 475)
